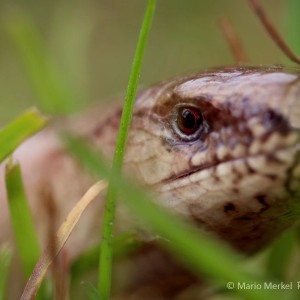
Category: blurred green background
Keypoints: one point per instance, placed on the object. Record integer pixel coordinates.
(92, 42)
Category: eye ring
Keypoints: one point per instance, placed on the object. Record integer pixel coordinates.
(187, 121)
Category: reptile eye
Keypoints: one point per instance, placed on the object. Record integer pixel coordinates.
(189, 120)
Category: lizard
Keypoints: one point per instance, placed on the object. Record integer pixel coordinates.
(220, 148)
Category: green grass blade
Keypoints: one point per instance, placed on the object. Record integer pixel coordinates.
(92, 292)
(105, 257)
(24, 230)
(122, 245)
(54, 92)
(203, 254)
(19, 130)
(5, 259)
(281, 255)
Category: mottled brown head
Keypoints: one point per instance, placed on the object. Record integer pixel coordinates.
(221, 148)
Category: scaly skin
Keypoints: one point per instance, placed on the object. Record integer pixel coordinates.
(237, 178)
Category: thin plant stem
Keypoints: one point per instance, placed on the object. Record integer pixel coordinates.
(273, 32)
(233, 41)
(106, 253)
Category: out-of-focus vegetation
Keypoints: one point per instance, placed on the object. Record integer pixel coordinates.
(92, 43)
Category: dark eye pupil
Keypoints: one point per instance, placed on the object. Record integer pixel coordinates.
(189, 120)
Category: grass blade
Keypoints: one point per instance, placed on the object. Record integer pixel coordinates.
(24, 230)
(203, 254)
(63, 234)
(281, 255)
(92, 292)
(123, 244)
(12, 135)
(5, 259)
(52, 88)
(105, 256)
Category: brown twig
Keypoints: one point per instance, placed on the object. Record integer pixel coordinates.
(61, 238)
(233, 41)
(62, 276)
(273, 32)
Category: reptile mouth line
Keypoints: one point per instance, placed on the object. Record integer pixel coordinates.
(272, 156)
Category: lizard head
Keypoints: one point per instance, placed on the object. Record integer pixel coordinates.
(222, 149)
